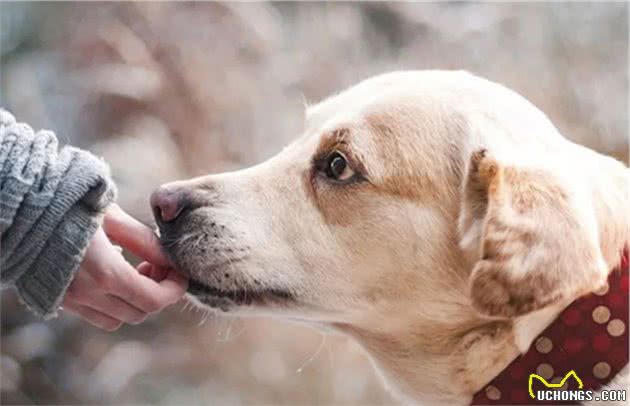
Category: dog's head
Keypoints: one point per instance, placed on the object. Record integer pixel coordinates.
(378, 214)
(351, 217)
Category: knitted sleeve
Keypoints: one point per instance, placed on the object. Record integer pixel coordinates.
(51, 203)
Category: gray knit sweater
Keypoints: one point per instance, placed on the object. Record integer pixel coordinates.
(51, 203)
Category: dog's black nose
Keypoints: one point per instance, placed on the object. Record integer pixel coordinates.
(168, 203)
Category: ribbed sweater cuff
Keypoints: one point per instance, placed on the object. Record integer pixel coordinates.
(85, 192)
(51, 204)
(43, 287)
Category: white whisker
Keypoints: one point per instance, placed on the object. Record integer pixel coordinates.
(317, 352)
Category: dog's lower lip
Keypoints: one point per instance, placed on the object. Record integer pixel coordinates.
(239, 296)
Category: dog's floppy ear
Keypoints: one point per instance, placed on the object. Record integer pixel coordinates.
(529, 242)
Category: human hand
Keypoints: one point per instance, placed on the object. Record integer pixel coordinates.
(107, 291)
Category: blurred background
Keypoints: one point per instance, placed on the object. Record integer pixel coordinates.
(172, 90)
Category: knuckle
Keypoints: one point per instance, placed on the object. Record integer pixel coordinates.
(111, 326)
(137, 319)
(154, 304)
(174, 298)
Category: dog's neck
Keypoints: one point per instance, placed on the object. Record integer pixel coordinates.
(443, 366)
(469, 354)
(472, 350)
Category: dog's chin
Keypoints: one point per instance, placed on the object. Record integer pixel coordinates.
(212, 294)
(228, 300)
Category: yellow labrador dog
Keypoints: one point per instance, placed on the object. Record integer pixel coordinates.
(438, 218)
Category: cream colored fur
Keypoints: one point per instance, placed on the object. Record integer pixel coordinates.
(452, 254)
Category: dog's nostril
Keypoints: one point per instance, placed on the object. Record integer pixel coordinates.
(167, 204)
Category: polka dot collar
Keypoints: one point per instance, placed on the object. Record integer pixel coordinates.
(590, 337)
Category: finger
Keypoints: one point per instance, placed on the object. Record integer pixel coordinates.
(155, 272)
(85, 291)
(149, 295)
(100, 265)
(133, 235)
(174, 282)
(115, 308)
(145, 268)
(111, 273)
(93, 317)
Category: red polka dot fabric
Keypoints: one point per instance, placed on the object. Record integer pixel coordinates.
(590, 337)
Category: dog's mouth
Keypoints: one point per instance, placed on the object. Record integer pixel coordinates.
(225, 299)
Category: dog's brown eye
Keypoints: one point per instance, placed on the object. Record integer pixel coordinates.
(337, 167)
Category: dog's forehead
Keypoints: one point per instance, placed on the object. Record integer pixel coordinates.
(387, 95)
(352, 104)
(392, 86)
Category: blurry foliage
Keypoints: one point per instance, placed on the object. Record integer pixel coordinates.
(171, 90)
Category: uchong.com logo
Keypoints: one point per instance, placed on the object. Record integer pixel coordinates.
(560, 392)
